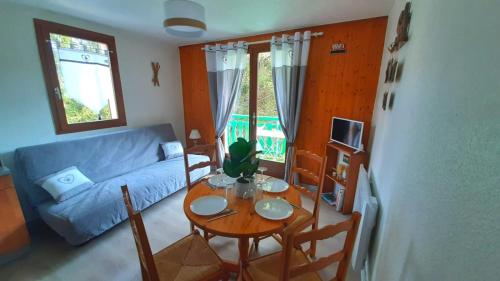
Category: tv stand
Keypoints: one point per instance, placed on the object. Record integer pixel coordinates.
(356, 157)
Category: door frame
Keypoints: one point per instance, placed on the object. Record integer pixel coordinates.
(274, 169)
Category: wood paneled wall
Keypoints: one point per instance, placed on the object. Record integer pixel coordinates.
(342, 85)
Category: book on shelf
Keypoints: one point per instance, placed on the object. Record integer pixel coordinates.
(329, 198)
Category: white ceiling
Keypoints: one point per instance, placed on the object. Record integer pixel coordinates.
(224, 18)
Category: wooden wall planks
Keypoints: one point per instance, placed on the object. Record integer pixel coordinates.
(342, 85)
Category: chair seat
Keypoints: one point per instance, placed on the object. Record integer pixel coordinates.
(267, 267)
(189, 259)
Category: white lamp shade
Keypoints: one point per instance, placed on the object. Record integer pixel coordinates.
(184, 18)
(195, 134)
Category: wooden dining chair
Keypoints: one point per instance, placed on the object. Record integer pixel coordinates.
(209, 150)
(292, 262)
(312, 176)
(315, 178)
(189, 259)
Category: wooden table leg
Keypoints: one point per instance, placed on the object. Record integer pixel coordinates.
(243, 245)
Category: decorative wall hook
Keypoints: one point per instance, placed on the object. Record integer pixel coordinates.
(156, 69)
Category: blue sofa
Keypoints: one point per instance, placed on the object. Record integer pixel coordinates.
(133, 157)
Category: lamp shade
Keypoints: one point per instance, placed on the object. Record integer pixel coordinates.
(195, 134)
(184, 18)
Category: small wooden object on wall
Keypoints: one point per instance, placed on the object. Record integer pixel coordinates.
(402, 29)
(338, 48)
(356, 158)
(156, 69)
(14, 237)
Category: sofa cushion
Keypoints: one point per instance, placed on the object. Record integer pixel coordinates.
(89, 214)
(65, 184)
(172, 149)
(99, 158)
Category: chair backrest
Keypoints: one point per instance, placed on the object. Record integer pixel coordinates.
(316, 177)
(209, 150)
(293, 238)
(148, 268)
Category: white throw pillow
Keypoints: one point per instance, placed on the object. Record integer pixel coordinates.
(65, 184)
(172, 149)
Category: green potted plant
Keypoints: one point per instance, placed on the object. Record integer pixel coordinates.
(242, 165)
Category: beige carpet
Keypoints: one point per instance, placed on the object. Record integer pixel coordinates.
(113, 256)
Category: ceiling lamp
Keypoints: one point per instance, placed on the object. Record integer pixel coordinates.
(184, 18)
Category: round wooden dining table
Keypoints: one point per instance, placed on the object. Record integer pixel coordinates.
(243, 225)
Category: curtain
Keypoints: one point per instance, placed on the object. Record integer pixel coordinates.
(87, 79)
(225, 67)
(289, 59)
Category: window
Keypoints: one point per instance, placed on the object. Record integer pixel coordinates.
(82, 78)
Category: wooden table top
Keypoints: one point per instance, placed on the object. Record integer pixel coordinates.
(246, 223)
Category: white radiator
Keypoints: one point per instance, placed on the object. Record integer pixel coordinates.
(367, 206)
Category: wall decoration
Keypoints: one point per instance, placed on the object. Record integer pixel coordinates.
(156, 69)
(391, 100)
(338, 48)
(384, 101)
(402, 29)
(399, 71)
(390, 72)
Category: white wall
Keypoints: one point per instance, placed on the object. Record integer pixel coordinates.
(435, 158)
(25, 115)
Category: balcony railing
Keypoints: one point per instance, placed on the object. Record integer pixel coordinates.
(271, 140)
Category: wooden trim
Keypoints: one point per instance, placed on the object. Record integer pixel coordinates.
(184, 22)
(253, 51)
(43, 29)
(275, 169)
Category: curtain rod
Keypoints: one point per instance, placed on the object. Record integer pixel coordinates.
(315, 34)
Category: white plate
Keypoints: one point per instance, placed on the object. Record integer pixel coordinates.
(274, 209)
(221, 180)
(275, 185)
(208, 205)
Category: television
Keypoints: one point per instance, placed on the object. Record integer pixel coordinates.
(347, 132)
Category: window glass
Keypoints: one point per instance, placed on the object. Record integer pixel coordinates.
(85, 80)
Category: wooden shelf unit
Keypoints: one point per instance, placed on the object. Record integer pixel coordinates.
(14, 236)
(332, 151)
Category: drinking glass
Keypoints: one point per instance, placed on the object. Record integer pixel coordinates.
(260, 174)
(228, 192)
(258, 193)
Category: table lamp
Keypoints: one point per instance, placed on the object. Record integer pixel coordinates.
(195, 136)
